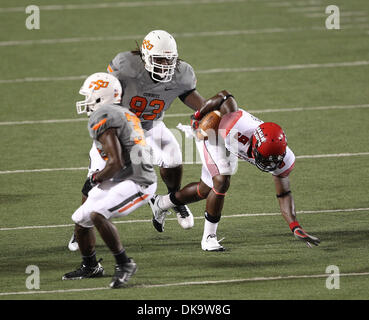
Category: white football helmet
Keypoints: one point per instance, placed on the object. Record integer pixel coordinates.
(159, 53)
(99, 88)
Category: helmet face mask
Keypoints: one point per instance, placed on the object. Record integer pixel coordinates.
(98, 89)
(159, 53)
(267, 164)
(269, 145)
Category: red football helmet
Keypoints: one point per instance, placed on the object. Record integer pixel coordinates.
(269, 145)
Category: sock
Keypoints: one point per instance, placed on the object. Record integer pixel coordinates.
(211, 225)
(121, 257)
(170, 190)
(90, 261)
(293, 225)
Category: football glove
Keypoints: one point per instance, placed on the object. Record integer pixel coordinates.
(195, 120)
(303, 236)
(89, 184)
(92, 178)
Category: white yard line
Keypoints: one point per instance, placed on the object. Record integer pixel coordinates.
(133, 4)
(44, 79)
(294, 3)
(287, 67)
(211, 71)
(137, 37)
(190, 283)
(11, 123)
(176, 35)
(313, 156)
(178, 115)
(43, 170)
(241, 215)
(342, 14)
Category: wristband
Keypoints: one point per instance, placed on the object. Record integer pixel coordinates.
(282, 195)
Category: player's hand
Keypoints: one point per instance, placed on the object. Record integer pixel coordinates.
(195, 120)
(307, 238)
(92, 179)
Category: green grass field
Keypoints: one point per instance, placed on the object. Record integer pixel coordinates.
(279, 61)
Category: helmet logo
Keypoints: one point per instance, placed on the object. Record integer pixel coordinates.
(259, 135)
(146, 44)
(99, 84)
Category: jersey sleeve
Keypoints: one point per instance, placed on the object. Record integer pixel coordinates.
(100, 121)
(287, 165)
(187, 79)
(113, 66)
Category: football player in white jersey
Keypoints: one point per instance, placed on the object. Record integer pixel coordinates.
(239, 135)
(126, 182)
(152, 77)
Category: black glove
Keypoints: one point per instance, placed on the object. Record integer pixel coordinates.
(89, 184)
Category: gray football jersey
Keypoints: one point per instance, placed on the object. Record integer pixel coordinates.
(135, 152)
(143, 96)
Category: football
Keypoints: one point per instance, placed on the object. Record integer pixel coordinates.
(210, 121)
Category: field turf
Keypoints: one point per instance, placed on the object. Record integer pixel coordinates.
(279, 61)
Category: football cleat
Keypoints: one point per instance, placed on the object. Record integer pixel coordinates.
(73, 244)
(303, 236)
(122, 274)
(85, 272)
(184, 216)
(159, 215)
(210, 243)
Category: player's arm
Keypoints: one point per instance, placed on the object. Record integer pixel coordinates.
(285, 199)
(193, 99)
(223, 101)
(287, 207)
(112, 148)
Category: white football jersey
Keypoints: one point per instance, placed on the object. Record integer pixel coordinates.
(237, 129)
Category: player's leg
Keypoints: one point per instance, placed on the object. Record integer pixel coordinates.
(122, 199)
(172, 177)
(125, 267)
(213, 212)
(97, 162)
(218, 166)
(168, 156)
(193, 192)
(86, 240)
(112, 200)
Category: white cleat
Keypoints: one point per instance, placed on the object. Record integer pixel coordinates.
(73, 244)
(158, 219)
(210, 243)
(184, 216)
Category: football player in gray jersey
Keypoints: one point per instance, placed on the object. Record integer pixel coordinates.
(152, 77)
(126, 182)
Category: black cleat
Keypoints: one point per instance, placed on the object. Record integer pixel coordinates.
(123, 273)
(85, 272)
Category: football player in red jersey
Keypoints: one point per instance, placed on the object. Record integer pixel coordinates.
(240, 136)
